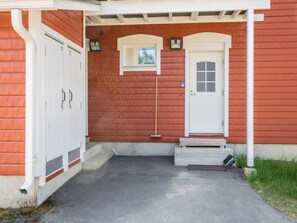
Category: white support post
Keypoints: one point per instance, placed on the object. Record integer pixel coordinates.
(250, 92)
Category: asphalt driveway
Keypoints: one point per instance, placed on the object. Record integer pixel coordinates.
(152, 190)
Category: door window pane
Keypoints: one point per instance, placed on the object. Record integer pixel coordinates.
(200, 87)
(200, 76)
(211, 76)
(211, 87)
(211, 66)
(201, 66)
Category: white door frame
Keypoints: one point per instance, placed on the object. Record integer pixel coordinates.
(207, 42)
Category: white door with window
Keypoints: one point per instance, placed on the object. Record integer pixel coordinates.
(206, 93)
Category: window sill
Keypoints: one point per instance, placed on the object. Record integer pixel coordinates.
(140, 68)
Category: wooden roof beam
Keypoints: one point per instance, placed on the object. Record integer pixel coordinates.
(121, 18)
(236, 14)
(222, 14)
(95, 19)
(194, 16)
(170, 18)
(145, 17)
(88, 20)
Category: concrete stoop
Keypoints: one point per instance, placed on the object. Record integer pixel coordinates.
(197, 151)
(96, 156)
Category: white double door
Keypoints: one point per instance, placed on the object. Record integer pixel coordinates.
(63, 100)
(206, 93)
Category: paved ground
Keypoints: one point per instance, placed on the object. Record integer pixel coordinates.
(152, 190)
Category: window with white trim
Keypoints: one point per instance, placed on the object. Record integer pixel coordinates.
(140, 53)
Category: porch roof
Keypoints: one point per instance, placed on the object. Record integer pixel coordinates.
(132, 12)
(80, 5)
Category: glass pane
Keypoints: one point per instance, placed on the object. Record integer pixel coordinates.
(211, 76)
(211, 87)
(146, 56)
(200, 76)
(200, 87)
(211, 66)
(201, 66)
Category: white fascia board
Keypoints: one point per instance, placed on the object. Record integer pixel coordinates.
(166, 6)
(25, 4)
(76, 5)
(6, 5)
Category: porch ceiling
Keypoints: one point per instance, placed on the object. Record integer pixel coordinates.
(133, 12)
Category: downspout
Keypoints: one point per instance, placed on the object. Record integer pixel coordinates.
(17, 23)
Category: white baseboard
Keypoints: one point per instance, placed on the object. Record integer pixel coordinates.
(140, 149)
(269, 151)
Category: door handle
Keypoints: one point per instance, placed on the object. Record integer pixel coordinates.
(63, 98)
(70, 98)
(192, 92)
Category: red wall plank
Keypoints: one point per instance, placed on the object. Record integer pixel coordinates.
(12, 98)
(67, 23)
(121, 108)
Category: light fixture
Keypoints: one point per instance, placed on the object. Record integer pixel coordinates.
(95, 45)
(175, 43)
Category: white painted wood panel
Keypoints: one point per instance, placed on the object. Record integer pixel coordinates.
(64, 86)
(55, 110)
(74, 91)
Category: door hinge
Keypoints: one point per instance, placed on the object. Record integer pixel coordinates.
(45, 105)
(223, 92)
(223, 123)
(223, 62)
(62, 48)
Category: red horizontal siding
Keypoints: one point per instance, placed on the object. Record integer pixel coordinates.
(275, 79)
(12, 98)
(121, 108)
(68, 23)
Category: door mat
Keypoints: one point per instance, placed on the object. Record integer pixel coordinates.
(207, 167)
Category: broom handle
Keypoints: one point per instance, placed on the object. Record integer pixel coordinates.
(156, 107)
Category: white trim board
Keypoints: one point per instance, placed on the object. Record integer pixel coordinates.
(134, 42)
(207, 42)
(49, 5)
(166, 6)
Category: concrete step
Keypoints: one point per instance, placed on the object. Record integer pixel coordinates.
(203, 142)
(91, 150)
(200, 156)
(98, 160)
(202, 152)
(185, 161)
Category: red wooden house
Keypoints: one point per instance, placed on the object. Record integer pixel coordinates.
(137, 77)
